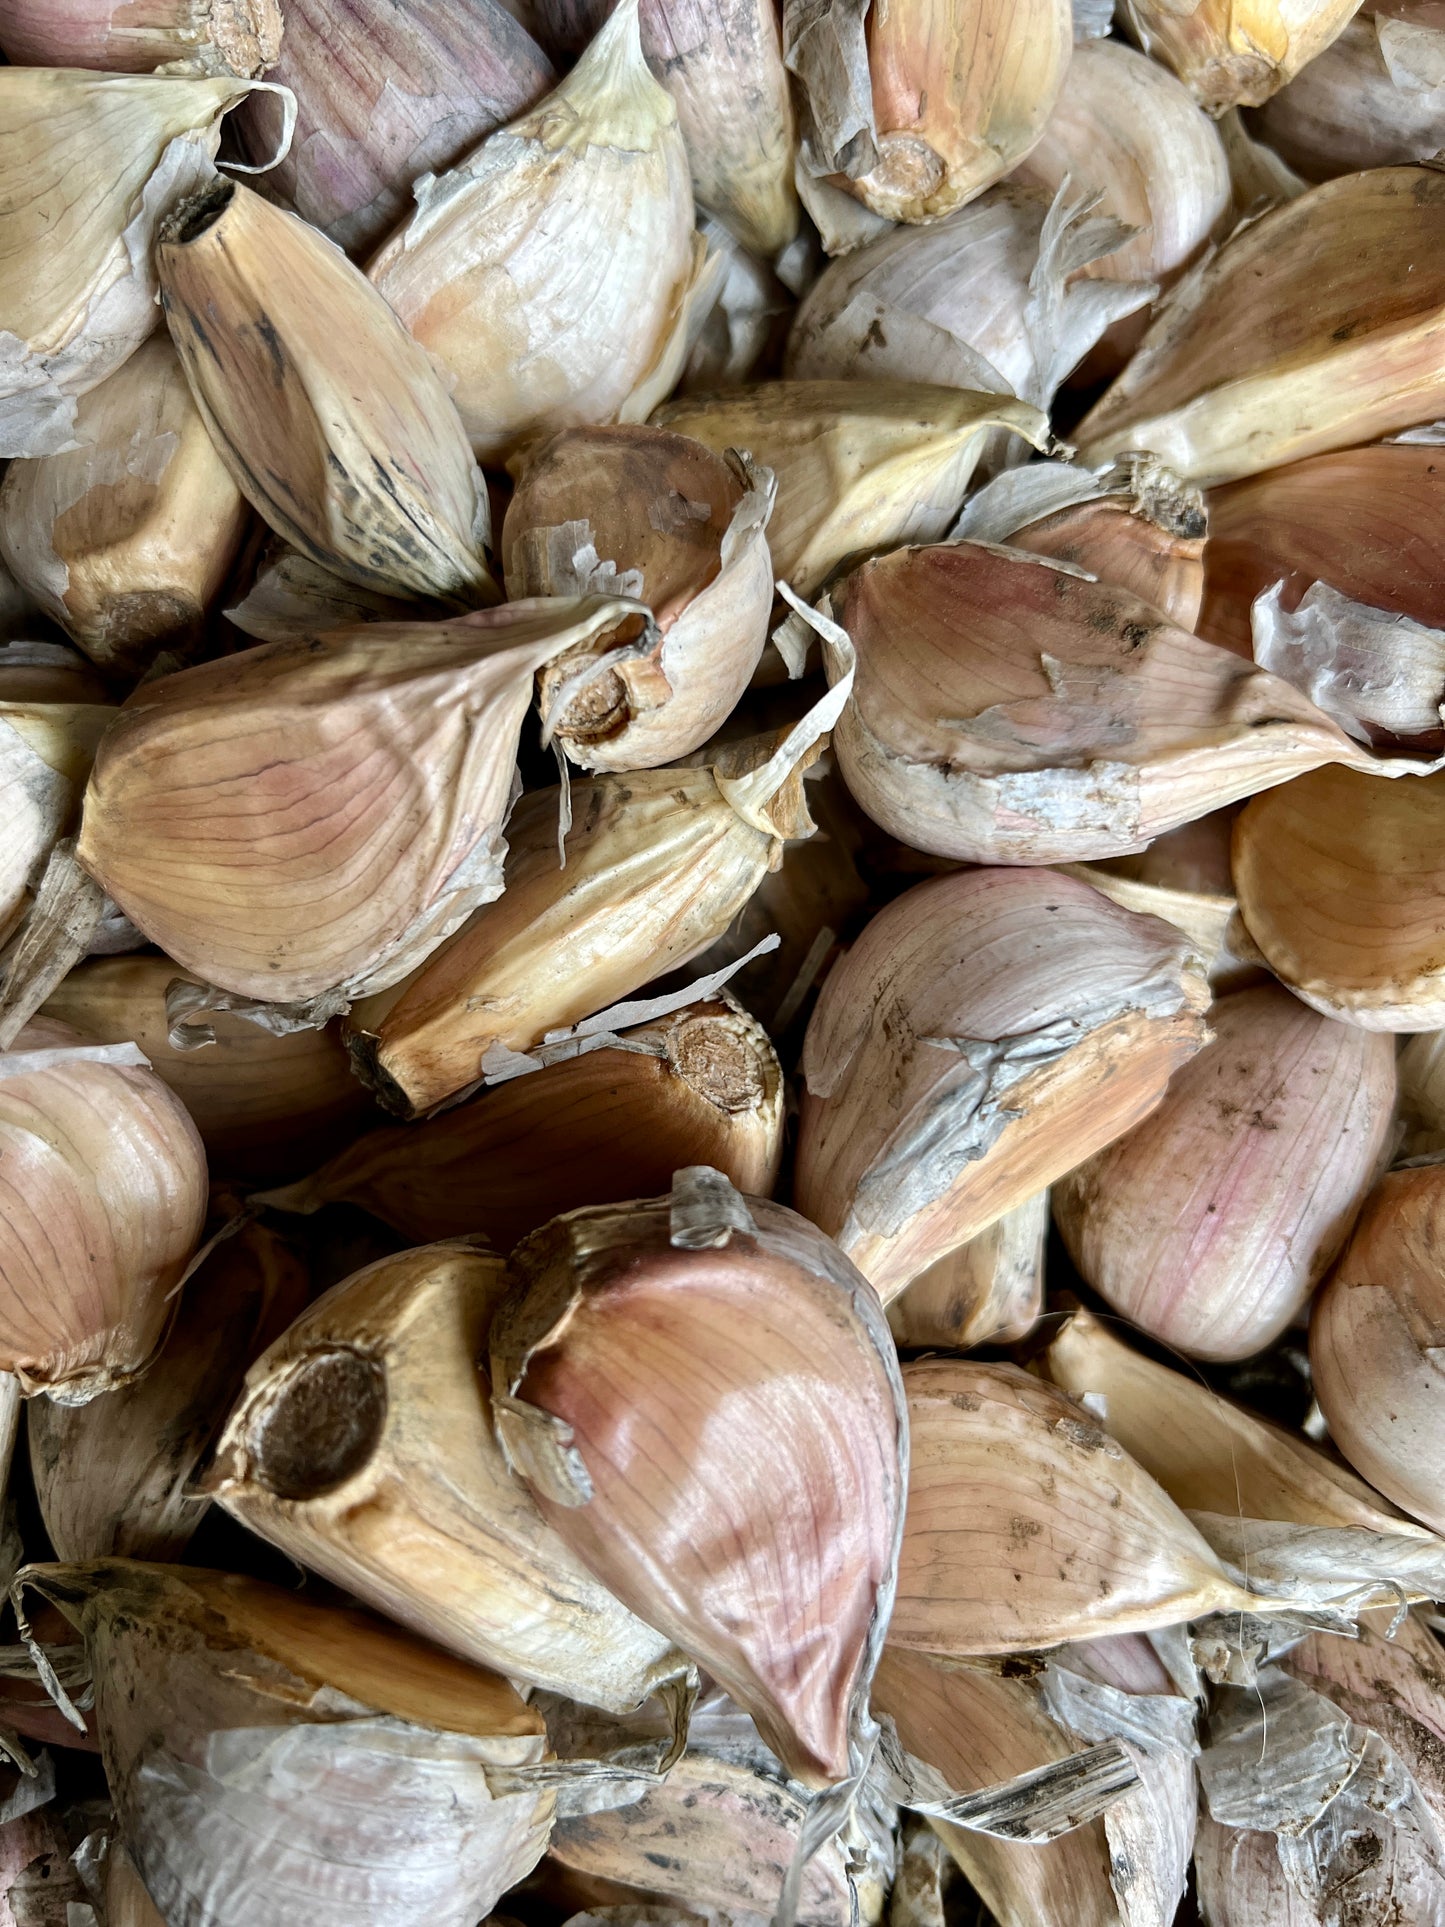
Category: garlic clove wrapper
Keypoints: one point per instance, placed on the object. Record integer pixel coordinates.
(1235, 53)
(989, 1291)
(1240, 1881)
(645, 512)
(1208, 917)
(385, 95)
(92, 164)
(114, 1476)
(292, 596)
(373, 766)
(986, 1032)
(1210, 1225)
(930, 102)
(240, 37)
(1342, 888)
(335, 424)
(1318, 326)
(104, 1202)
(127, 539)
(554, 272)
(700, 1086)
(362, 1445)
(46, 751)
(704, 1397)
(316, 1766)
(860, 465)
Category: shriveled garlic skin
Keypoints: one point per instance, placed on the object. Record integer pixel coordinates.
(1320, 326)
(384, 95)
(104, 1201)
(239, 37)
(989, 1291)
(1341, 882)
(1161, 565)
(551, 271)
(1235, 53)
(1350, 109)
(1375, 1343)
(1210, 1225)
(987, 1031)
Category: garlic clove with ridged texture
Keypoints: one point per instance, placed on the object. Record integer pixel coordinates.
(241, 37)
(989, 1291)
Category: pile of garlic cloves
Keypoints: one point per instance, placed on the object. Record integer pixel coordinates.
(722, 963)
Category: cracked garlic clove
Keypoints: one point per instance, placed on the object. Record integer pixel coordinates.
(989, 1291)
(986, 1032)
(1210, 1225)
(659, 516)
(704, 1397)
(1313, 328)
(126, 541)
(554, 272)
(1235, 53)
(240, 37)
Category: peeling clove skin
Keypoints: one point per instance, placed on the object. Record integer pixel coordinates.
(241, 37)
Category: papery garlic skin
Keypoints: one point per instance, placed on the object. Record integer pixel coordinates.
(989, 1291)
(1236, 53)
(551, 271)
(986, 1032)
(240, 37)
(1240, 1881)
(1373, 98)
(126, 541)
(1375, 1343)
(46, 752)
(127, 1904)
(1210, 1225)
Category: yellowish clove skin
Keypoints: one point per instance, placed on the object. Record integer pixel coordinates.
(989, 1291)
(241, 37)
(1236, 53)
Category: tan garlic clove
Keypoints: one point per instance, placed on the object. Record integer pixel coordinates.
(989, 1291)
(986, 1032)
(1375, 1341)
(928, 104)
(860, 465)
(314, 1762)
(104, 1202)
(46, 752)
(335, 425)
(554, 272)
(656, 515)
(202, 817)
(127, 1904)
(1374, 98)
(384, 96)
(1281, 346)
(92, 165)
(1342, 888)
(1235, 53)
(362, 1446)
(240, 37)
(700, 1086)
(114, 1477)
(759, 1524)
(1210, 1225)
(127, 540)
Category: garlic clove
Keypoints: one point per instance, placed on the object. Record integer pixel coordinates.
(334, 423)
(1232, 53)
(1239, 374)
(987, 1031)
(240, 37)
(860, 465)
(743, 327)
(771, 1567)
(46, 751)
(989, 1291)
(1210, 1225)
(127, 1904)
(1195, 898)
(1241, 1882)
(645, 512)
(554, 271)
(127, 540)
(46, 672)
(362, 1446)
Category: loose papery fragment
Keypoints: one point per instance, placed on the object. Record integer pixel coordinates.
(46, 752)
(1381, 677)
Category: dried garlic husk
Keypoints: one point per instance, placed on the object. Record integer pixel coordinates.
(114, 1477)
(989, 1291)
(1240, 1882)
(1373, 98)
(745, 322)
(699, 1086)
(265, 1105)
(92, 164)
(239, 37)
(1341, 884)
(202, 821)
(335, 424)
(1283, 345)
(1124, 124)
(860, 465)
(106, 1202)
(292, 596)
(127, 540)
(554, 272)
(1210, 1225)
(1011, 709)
(927, 104)
(384, 95)
(316, 1766)
(46, 751)
(1375, 1341)
(774, 1568)
(986, 1032)
(362, 1446)
(644, 512)
(1235, 53)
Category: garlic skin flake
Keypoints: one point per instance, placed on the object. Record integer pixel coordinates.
(554, 271)
(240, 37)
(1235, 53)
(1373, 98)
